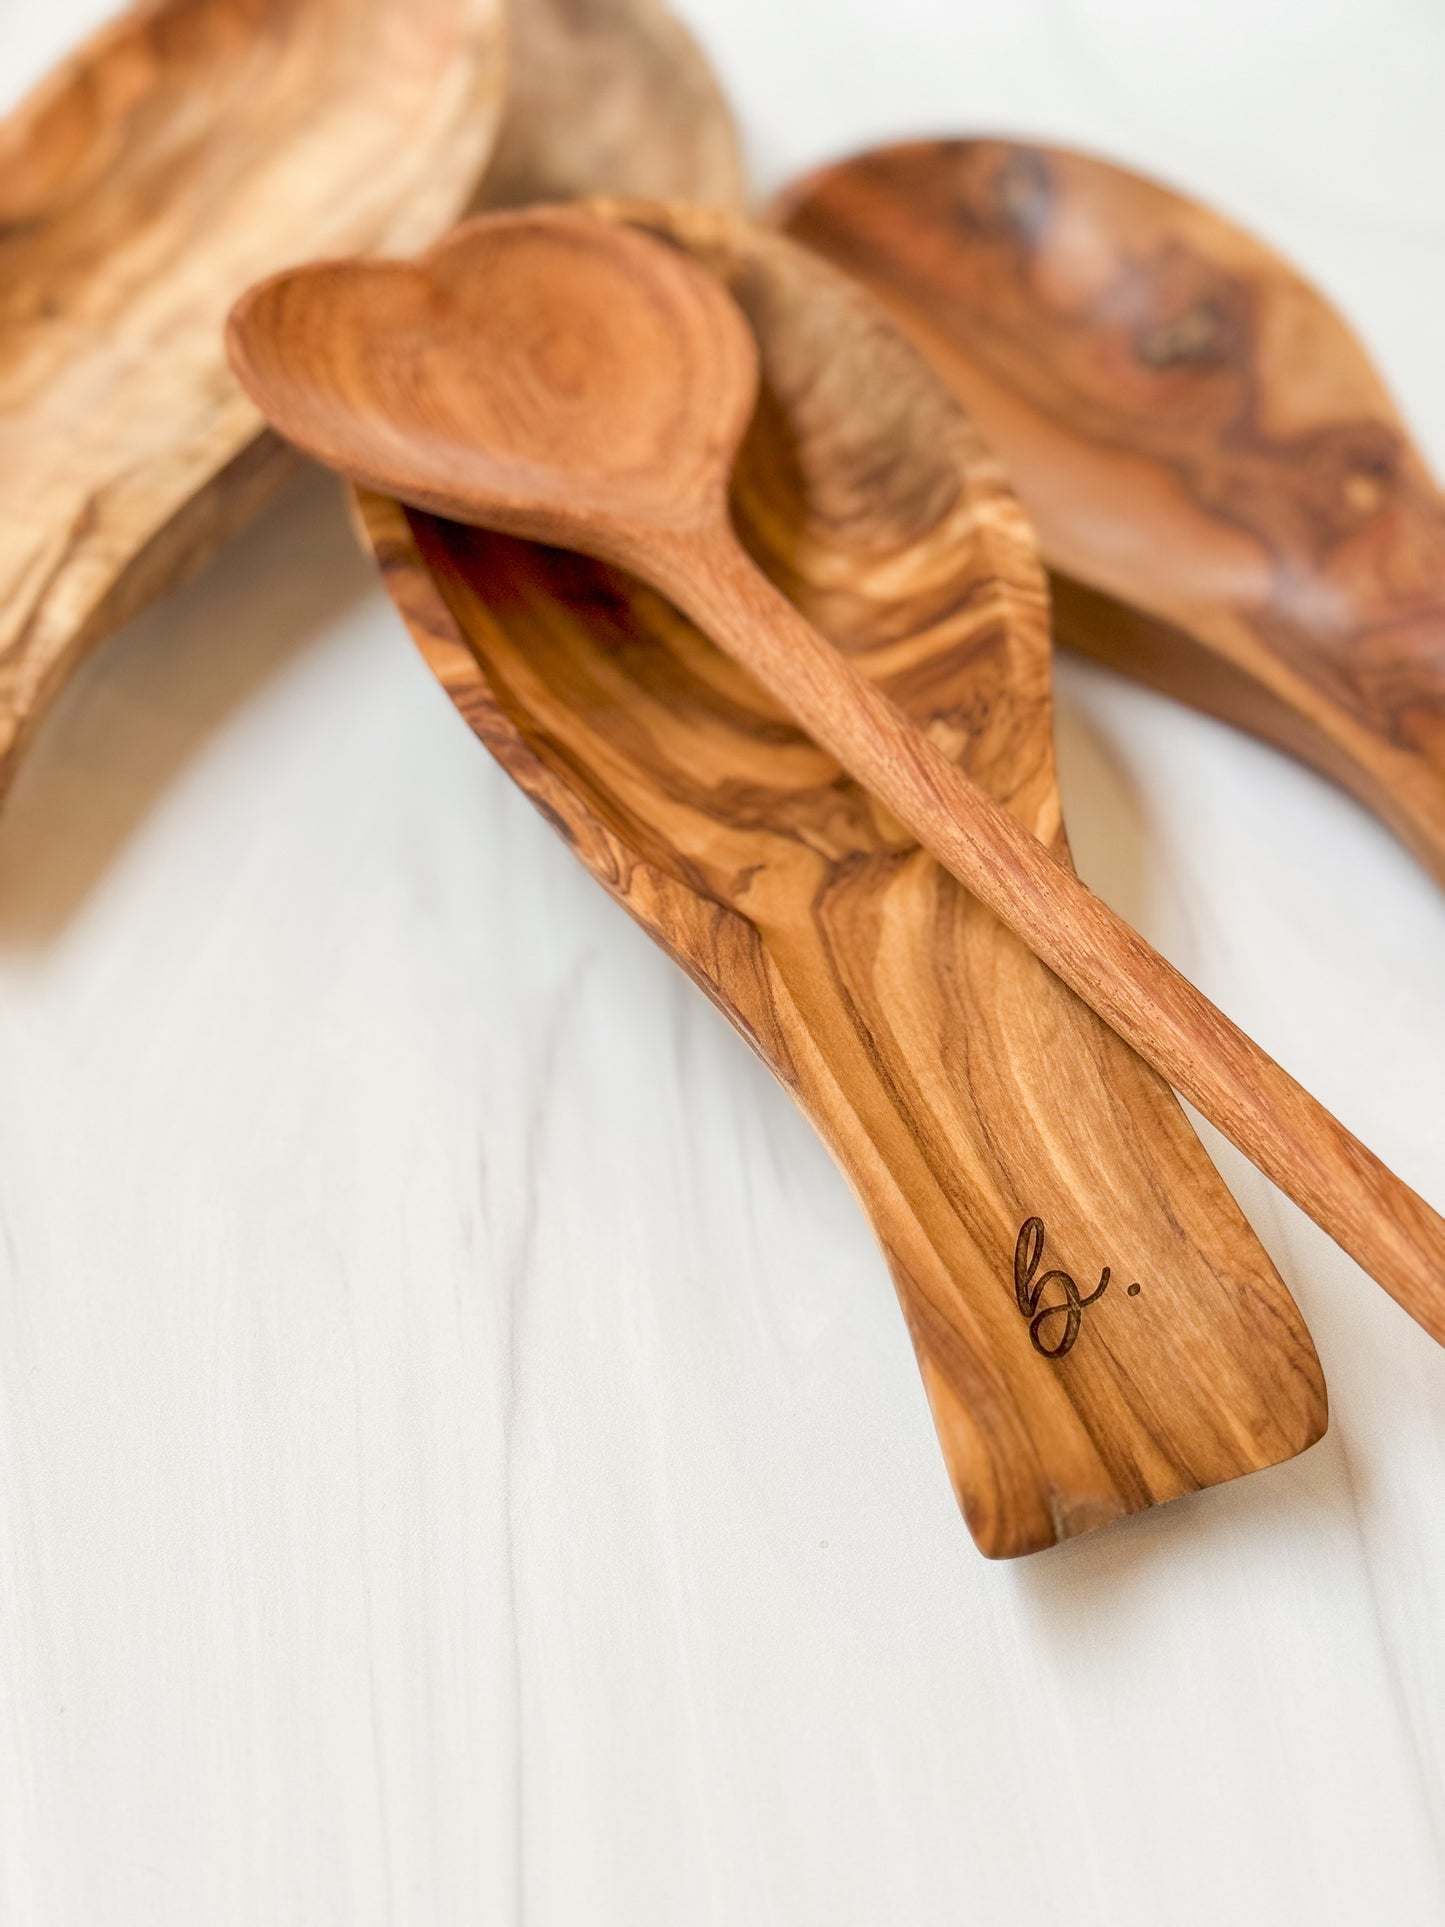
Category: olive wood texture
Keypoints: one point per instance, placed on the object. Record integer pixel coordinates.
(967, 1095)
(566, 379)
(610, 97)
(185, 149)
(1231, 505)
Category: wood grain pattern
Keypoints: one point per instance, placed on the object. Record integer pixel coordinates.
(610, 97)
(993, 1129)
(1231, 505)
(183, 151)
(559, 377)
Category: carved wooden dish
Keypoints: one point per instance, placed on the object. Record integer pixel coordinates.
(184, 151)
(1229, 500)
(1023, 1170)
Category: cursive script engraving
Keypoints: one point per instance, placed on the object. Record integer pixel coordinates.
(1029, 1290)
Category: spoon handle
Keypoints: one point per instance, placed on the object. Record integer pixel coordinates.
(1293, 1139)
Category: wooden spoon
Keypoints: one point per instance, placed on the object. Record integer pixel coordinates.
(562, 378)
(183, 151)
(1232, 507)
(1003, 1142)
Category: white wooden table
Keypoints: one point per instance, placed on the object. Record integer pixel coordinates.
(460, 1461)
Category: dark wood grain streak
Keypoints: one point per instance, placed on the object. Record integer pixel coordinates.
(1222, 485)
(961, 1087)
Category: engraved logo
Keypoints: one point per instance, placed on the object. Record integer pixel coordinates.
(1048, 1337)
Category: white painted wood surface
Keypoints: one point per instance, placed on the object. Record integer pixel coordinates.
(459, 1457)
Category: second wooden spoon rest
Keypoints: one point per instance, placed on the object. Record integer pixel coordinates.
(1230, 503)
(1011, 1153)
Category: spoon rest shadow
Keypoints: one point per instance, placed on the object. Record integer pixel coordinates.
(1005, 1145)
(1230, 504)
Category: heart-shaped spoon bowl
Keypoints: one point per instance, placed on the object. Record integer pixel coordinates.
(1228, 499)
(1005, 1144)
(567, 372)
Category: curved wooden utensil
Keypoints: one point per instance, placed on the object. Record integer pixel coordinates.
(1231, 505)
(1097, 1327)
(611, 97)
(554, 376)
(183, 151)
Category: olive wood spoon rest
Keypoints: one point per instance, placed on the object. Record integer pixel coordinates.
(610, 97)
(1006, 1146)
(1231, 505)
(184, 150)
(554, 376)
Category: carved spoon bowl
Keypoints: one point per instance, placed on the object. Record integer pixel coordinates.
(1229, 502)
(1097, 1327)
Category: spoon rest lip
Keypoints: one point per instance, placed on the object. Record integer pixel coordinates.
(785, 200)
